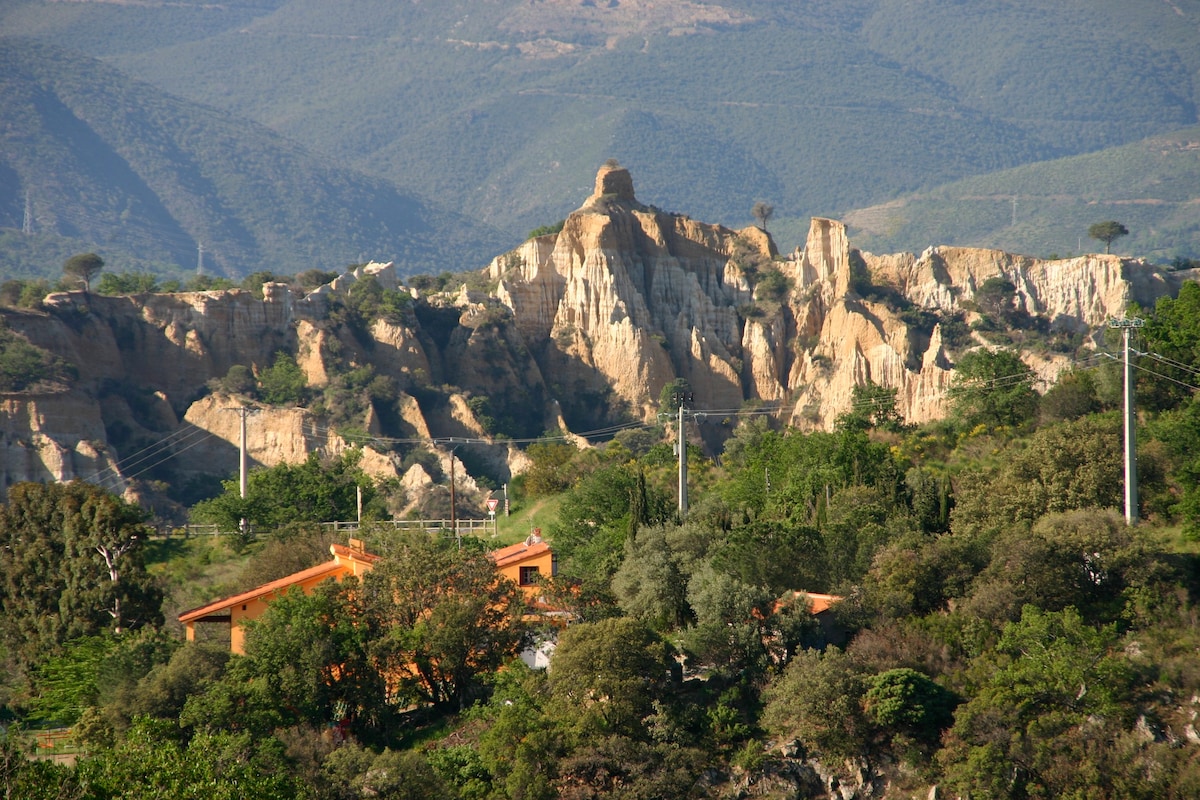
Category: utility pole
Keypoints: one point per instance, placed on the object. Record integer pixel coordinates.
(683, 499)
(453, 493)
(681, 399)
(27, 222)
(1131, 492)
(243, 459)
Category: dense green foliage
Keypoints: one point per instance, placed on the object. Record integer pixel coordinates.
(154, 178)
(312, 491)
(883, 99)
(71, 565)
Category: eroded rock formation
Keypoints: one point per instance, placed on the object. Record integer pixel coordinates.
(582, 328)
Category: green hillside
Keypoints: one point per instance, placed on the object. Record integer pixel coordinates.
(503, 110)
(1151, 186)
(113, 165)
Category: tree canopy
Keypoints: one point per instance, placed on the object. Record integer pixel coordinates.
(71, 565)
(82, 268)
(1108, 232)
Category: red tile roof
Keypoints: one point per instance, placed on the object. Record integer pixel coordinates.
(517, 552)
(259, 591)
(341, 555)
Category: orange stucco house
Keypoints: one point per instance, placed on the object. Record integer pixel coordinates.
(522, 563)
(235, 611)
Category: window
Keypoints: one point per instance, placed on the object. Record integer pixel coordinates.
(529, 576)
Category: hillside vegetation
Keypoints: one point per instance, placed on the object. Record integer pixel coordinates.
(503, 110)
(1152, 186)
(1002, 632)
(113, 165)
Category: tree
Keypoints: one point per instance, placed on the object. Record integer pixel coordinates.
(445, 618)
(151, 764)
(995, 297)
(909, 704)
(71, 565)
(283, 383)
(605, 676)
(819, 701)
(593, 521)
(82, 268)
(993, 388)
(313, 650)
(313, 491)
(1086, 559)
(763, 213)
(649, 585)
(674, 394)
(871, 406)
(1107, 232)
(730, 629)
(127, 283)
(1062, 467)
(1053, 696)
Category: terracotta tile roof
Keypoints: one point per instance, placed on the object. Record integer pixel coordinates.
(341, 556)
(259, 591)
(342, 551)
(822, 602)
(517, 552)
(818, 602)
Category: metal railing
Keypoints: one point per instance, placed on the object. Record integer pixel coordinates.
(440, 526)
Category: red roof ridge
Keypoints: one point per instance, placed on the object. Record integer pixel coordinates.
(259, 591)
(340, 552)
(516, 552)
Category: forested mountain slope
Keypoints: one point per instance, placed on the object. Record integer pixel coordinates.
(1151, 186)
(147, 179)
(502, 110)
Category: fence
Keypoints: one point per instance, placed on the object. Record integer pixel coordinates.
(439, 526)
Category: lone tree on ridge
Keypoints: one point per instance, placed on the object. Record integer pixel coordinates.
(83, 267)
(763, 213)
(1107, 232)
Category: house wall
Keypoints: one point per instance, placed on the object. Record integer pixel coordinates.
(253, 609)
(544, 562)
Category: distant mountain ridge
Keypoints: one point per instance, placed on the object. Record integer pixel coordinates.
(149, 180)
(501, 111)
(1151, 186)
(505, 109)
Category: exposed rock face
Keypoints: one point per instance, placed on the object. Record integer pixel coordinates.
(628, 298)
(585, 327)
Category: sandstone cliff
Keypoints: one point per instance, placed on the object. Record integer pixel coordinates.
(577, 329)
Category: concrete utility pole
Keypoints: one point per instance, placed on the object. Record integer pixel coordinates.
(243, 458)
(1131, 492)
(683, 499)
(681, 399)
